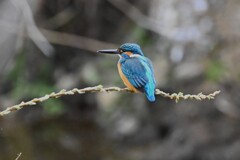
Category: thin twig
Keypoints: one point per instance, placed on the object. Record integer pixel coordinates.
(19, 155)
(100, 88)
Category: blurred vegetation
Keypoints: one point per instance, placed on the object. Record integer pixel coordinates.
(24, 89)
(215, 71)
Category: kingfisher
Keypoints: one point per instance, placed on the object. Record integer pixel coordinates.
(135, 70)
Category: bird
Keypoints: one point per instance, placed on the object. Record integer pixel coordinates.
(135, 70)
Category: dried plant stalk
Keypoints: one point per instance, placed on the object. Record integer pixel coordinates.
(100, 88)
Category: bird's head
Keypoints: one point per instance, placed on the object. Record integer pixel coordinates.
(126, 49)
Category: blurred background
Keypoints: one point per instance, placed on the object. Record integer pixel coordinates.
(47, 46)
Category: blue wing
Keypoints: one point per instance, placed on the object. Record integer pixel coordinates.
(135, 72)
(139, 72)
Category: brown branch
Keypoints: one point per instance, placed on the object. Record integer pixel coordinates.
(100, 88)
(71, 40)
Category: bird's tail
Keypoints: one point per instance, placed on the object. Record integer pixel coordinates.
(151, 98)
(150, 92)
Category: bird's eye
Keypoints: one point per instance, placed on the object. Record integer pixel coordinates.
(121, 50)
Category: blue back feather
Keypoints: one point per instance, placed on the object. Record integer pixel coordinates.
(139, 71)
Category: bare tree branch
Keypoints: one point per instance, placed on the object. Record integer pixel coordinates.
(31, 28)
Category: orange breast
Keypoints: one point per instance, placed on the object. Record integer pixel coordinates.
(125, 80)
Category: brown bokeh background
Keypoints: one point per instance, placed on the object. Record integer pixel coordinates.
(47, 46)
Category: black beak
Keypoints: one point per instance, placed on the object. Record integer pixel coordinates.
(109, 51)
